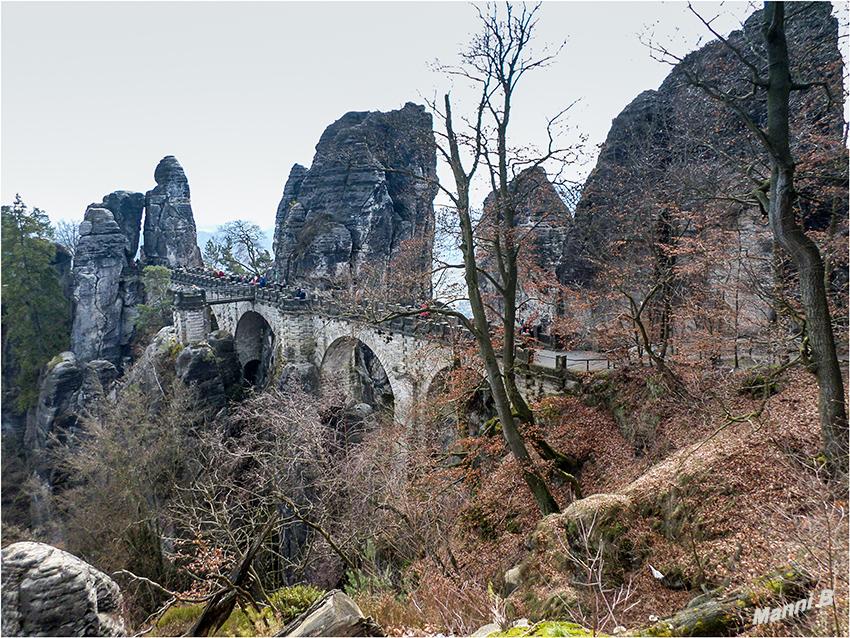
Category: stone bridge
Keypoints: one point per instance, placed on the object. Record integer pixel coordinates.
(274, 329)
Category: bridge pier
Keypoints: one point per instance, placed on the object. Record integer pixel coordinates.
(191, 316)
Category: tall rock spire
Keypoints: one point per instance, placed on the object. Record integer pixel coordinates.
(171, 238)
(371, 187)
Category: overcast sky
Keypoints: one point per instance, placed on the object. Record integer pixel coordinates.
(94, 94)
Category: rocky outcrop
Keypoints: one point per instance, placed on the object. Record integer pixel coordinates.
(69, 390)
(171, 238)
(544, 223)
(106, 290)
(99, 330)
(224, 347)
(679, 122)
(127, 208)
(302, 376)
(370, 188)
(677, 167)
(549, 246)
(49, 592)
(197, 367)
(106, 287)
(56, 409)
(208, 369)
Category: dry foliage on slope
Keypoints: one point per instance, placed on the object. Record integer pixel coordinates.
(719, 494)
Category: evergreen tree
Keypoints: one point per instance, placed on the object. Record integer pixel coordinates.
(35, 313)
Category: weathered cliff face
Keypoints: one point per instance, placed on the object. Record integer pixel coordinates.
(70, 389)
(171, 238)
(98, 327)
(546, 234)
(365, 194)
(672, 198)
(127, 209)
(549, 246)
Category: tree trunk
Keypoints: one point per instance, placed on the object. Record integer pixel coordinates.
(480, 330)
(823, 359)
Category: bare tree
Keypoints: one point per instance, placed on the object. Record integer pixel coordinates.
(238, 247)
(68, 235)
(497, 59)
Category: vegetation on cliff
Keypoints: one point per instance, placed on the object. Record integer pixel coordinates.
(36, 313)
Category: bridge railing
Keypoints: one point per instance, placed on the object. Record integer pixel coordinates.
(418, 321)
(422, 322)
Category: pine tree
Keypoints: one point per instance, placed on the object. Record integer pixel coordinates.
(35, 313)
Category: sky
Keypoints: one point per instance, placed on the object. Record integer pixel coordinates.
(94, 94)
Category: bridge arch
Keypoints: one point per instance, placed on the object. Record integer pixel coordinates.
(351, 366)
(255, 347)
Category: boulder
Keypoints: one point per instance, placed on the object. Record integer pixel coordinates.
(170, 235)
(365, 194)
(49, 592)
(304, 376)
(335, 614)
(486, 630)
(196, 366)
(513, 579)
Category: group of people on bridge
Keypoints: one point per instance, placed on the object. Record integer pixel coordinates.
(257, 280)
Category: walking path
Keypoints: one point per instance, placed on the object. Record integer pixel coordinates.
(578, 360)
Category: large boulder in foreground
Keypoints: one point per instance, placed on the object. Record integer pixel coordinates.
(49, 592)
(335, 614)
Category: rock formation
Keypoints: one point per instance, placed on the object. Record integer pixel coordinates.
(369, 189)
(197, 367)
(335, 614)
(677, 167)
(105, 287)
(545, 224)
(106, 291)
(49, 592)
(171, 238)
(210, 370)
(550, 248)
(127, 208)
(70, 388)
(100, 293)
